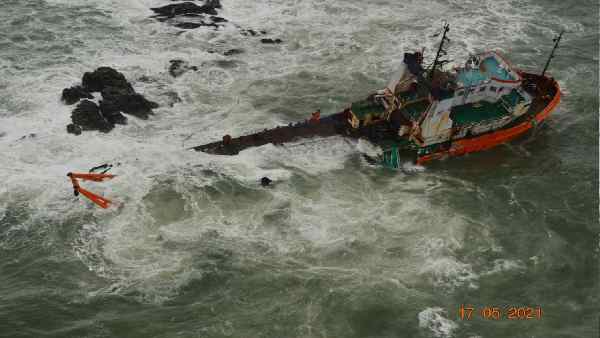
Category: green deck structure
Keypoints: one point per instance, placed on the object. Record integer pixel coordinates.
(482, 110)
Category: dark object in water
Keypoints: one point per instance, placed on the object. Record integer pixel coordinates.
(265, 181)
(233, 51)
(178, 67)
(271, 41)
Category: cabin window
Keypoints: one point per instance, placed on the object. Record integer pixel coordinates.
(493, 89)
(460, 93)
(482, 89)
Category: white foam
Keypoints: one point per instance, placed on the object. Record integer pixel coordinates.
(434, 319)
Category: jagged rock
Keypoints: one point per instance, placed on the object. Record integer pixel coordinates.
(176, 14)
(182, 8)
(87, 115)
(271, 41)
(178, 67)
(73, 129)
(104, 77)
(118, 96)
(74, 94)
(115, 99)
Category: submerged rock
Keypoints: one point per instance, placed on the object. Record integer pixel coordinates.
(172, 98)
(233, 51)
(74, 94)
(87, 116)
(73, 129)
(178, 67)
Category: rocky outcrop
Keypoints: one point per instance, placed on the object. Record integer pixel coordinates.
(118, 96)
(103, 77)
(74, 94)
(188, 15)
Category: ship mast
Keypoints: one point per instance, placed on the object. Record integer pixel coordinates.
(556, 42)
(440, 52)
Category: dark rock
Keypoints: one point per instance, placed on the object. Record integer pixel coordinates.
(265, 181)
(105, 77)
(73, 129)
(205, 15)
(74, 94)
(233, 51)
(178, 67)
(271, 41)
(112, 112)
(173, 10)
(118, 96)
(116, 99)
(87, 115)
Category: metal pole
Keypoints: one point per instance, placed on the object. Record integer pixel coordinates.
(557, 41)
(437, 56)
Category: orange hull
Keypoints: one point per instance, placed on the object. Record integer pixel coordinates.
(487, 141)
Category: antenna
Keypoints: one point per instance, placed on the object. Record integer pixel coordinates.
(440, 52)
(556, 42)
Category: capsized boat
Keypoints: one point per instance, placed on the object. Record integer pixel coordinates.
(427, 114)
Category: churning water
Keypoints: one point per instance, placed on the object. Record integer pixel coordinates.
(336, 248)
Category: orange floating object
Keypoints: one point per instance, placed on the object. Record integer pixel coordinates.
(92, 177)
(98, 200)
